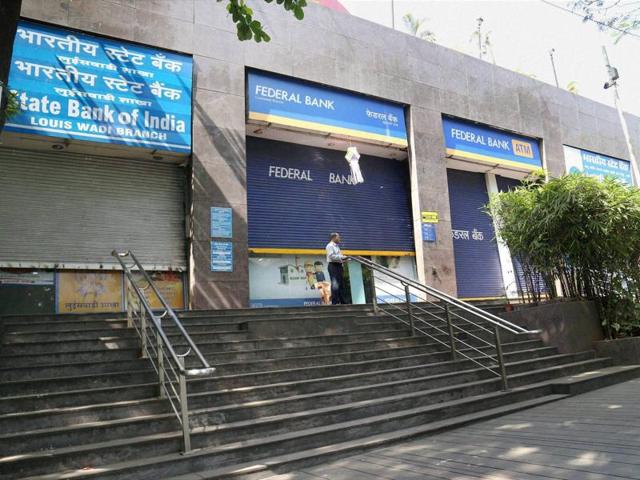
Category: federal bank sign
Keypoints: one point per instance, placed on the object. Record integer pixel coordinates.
(474, 142)
(291, 102)
(83, 87)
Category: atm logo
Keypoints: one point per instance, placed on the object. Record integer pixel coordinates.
(522, 149)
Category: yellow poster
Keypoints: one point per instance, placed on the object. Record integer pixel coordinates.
(169, 284)
(83, 292)
(429, 217)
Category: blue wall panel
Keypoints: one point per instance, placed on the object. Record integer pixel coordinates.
(301, 212)
(477, 262)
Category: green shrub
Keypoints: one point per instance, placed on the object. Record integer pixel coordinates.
(582, 233)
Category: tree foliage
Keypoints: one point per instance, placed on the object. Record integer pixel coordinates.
(9, 16)
(620, 16)
(249, 28)
(581, 233)
(416, 26)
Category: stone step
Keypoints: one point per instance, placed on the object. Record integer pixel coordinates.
(74, 398)
(78, 382)
(111, 342)
(64, 326)
(243, 364)
(71, 369)
(370, 383)
(265, 468)
(75, 335)
(242, 422)
(247, 313)
(138, 458)
(280, 349)
(64, 416)
(277, 376)
(33, 359)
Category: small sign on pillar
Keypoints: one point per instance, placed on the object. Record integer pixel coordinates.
(429, 232)
(221, 227)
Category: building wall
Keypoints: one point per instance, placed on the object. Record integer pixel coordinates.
(346, 52)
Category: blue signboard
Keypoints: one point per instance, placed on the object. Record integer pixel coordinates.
(597, 165)
(221, 256)
(474, 142)
(83, 87)
(429, 232)
(300, 104)
(221, 222)
(298, 195)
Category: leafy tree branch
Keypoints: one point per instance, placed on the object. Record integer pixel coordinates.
(623, 17)
(248, 27)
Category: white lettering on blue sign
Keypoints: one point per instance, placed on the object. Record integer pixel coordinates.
(314, 105)
(597, 165)
(221, 256)
(341, 179)
(91, 88)
(290, 173)
(266, 92)
(468, 140)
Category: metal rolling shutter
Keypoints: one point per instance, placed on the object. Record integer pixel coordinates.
(504, 185)
(299, 214)
(477, 262)
(70, 211)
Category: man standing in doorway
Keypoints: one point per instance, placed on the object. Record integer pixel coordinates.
(335, 260)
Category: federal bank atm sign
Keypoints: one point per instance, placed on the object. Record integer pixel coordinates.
(84, 87)
(474, 142)
(291, 102)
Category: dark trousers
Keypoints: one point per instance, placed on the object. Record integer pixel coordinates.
(336, 273)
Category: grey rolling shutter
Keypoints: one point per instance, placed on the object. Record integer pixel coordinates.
(478, 270)
(63, 210)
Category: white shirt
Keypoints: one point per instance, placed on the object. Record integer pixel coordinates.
(333, 253)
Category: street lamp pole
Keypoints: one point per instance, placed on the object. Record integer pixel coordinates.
(553, 65)
(613, 77)
(393, 14)
(480, 20)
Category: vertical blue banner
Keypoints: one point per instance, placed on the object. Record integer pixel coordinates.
(84, 87)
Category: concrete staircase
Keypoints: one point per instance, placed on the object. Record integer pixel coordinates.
(293, 387)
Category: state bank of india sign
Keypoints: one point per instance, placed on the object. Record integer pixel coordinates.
(83, 87)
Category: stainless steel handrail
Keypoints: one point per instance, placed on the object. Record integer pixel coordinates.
(451, 341)
(447, 303)
(446, 298)
(177, 371)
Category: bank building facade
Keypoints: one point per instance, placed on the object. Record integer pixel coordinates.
(221, 163)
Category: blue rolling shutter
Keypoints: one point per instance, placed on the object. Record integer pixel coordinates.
(477, 262)
(504, 185)
(302, 211)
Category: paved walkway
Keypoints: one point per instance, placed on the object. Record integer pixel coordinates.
(595, 436)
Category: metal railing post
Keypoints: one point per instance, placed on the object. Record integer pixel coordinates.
(129, 299)
(374, 298)
(184, 408)
(160, 351)
(143, 330)
(501, 365)
(407, 295)
(452, 338)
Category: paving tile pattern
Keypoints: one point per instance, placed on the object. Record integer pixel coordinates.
(595, 436)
